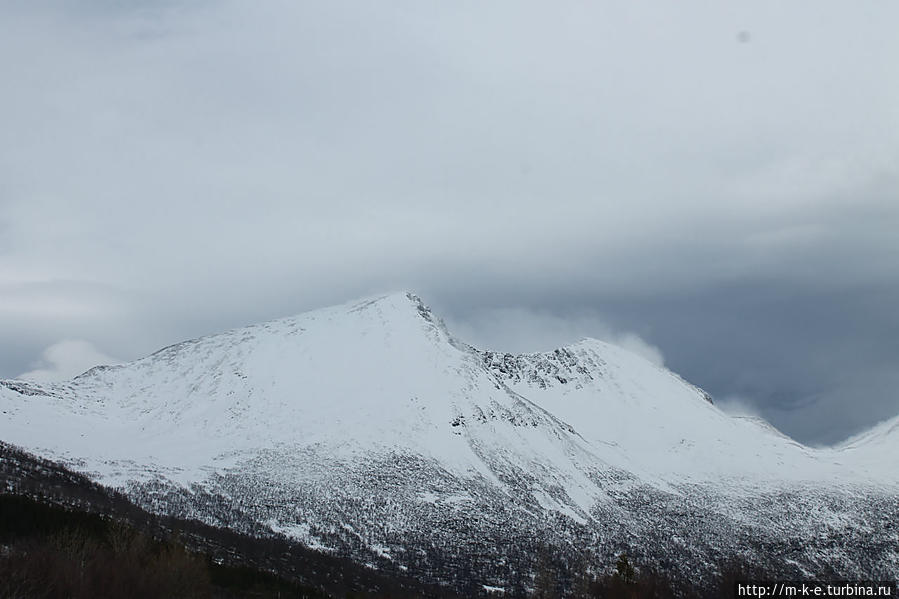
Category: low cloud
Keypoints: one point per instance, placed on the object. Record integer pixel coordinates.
(735, 405)
(636, 344)
(65, 360)
(522, 330)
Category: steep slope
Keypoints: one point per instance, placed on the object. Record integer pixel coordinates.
(379, 375)
(368, 429)
(874, 451)
(664, 426)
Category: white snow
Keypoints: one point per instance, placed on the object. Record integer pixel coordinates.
(383, 375)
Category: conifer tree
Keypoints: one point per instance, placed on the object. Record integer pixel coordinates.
(624, 569)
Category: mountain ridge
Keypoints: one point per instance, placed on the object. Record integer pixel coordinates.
(585, 382)
(368, 428)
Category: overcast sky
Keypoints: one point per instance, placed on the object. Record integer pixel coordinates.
(712, 184)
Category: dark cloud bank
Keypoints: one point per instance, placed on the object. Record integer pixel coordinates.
(715, 187)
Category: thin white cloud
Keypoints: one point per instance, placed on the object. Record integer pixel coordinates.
(738, 406)
(636, 344)
(66, 359)
(520, 330)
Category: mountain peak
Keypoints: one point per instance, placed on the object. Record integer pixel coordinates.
(368, 416)
(396, 300)
(394, 308)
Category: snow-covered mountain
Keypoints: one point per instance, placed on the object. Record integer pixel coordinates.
(367, 428)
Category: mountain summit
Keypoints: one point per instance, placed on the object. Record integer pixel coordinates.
(367, 428)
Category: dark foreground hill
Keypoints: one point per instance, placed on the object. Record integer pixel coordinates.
(63, 535)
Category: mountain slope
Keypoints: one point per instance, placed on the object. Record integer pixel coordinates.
(663, 425)
(375, 375)
(368, 429)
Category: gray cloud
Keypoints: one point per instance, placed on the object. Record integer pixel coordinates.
(172, 169)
